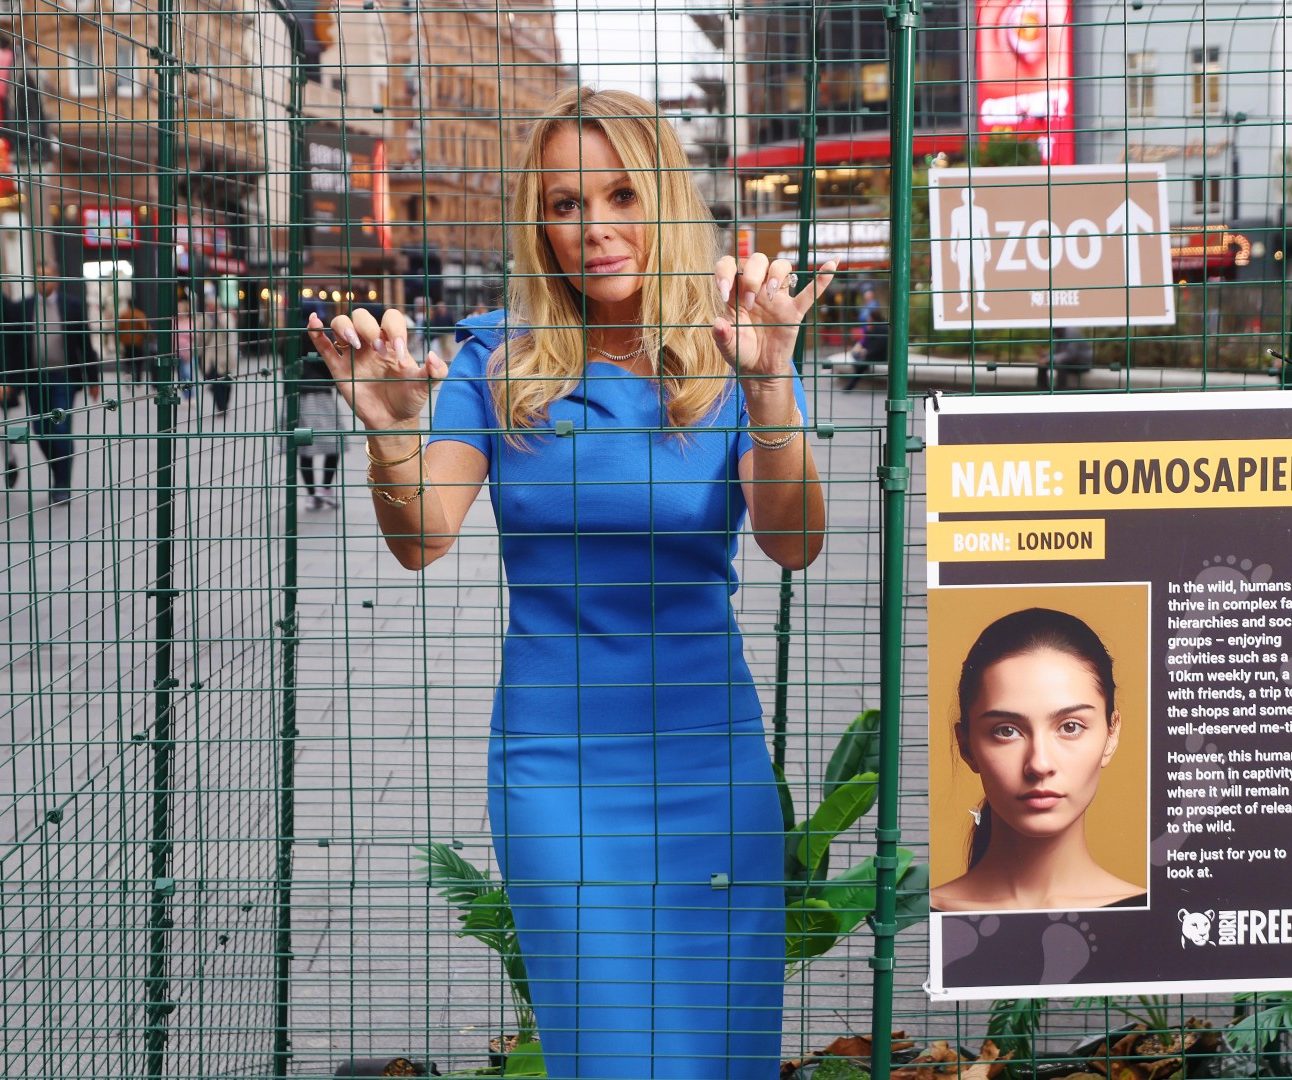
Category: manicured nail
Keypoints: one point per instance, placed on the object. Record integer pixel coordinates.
(724, 290)
(773, 284)
(353, 338)
(314, 322)
(379, 347)
(748, 301)
(401, 351)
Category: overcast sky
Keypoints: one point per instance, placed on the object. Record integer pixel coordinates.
(633, 46)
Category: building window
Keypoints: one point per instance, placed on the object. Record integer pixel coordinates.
(126, 79)
(1140, 96)
(1204, 81)
(1206, 195)
(84, 70)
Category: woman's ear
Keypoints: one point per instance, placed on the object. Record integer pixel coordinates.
(1114, 735)
(962, 744)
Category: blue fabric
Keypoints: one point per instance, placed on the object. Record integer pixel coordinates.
(618, 544)
(631, 797)
(641, 964)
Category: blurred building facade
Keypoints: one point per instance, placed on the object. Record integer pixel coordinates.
(404, 156)
(418, 96)
(1204, 93)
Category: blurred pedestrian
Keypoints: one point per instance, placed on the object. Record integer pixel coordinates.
(185, 345)
(48, 342)
(418, 328)
(219, 351)
(319, 411)
(441, 332)
(872, 338)
(133, 333)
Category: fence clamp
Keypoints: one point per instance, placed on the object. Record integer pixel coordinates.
(303, 436)
(903, 14)
(893, 477)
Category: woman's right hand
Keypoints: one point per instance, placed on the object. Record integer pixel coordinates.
(373, 370)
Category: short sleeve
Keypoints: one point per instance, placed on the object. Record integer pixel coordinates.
(463, 408)
(744, 444)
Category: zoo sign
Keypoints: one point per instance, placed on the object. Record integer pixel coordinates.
(1079, 245)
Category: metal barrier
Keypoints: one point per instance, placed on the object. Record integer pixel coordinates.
(236, 727)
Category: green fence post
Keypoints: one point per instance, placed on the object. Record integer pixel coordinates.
(903, 18)
(290, 339)
(162, 886)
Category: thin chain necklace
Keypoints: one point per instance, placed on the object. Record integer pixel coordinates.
(619, 356)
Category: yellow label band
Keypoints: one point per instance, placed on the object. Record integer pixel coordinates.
(1017, 540)
(1175, 475)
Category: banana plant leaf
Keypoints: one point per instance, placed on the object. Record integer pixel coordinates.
(856, 752)
(811, 929)
(839, 811)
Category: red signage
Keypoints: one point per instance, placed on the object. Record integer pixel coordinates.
(1024, 73)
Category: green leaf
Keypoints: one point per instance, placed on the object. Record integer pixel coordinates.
(840, 811)
(856, 752)
(526, 1060)
(1254, 1033)
(811, 928)
(913, 896)
(488, 920)
(851, 895)
(456, 879)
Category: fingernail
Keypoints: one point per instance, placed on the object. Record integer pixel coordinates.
(379, 347)
(313, 321)
(773, 284)
(748, 301)
(401, 350)
(724, 290)
(353, 338)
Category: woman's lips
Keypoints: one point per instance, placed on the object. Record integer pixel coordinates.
(606, 266)
(1041, 800)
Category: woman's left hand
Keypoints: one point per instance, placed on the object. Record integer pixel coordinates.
(757, 334)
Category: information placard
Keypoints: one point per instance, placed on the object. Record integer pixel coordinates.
(1110, 694)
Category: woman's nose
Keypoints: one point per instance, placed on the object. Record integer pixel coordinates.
(1040, 760)
(595, 227)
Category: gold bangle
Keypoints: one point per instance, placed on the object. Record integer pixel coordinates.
(781, 442)
(395, 461)
(380, 490)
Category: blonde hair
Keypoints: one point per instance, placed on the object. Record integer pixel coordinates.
(545, 361)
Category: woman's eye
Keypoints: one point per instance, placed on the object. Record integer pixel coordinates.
(1005, 731)
(1072, 727)
(565, 206)
(625, 196)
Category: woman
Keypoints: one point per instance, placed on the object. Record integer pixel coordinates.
(319, 411)
(632, 802)
(1038, 723)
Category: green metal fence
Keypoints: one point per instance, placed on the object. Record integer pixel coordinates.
(234, 723)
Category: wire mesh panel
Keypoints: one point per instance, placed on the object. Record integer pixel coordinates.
(147, 186)
(248, 822)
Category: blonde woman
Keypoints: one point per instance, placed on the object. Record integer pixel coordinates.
(615, 409)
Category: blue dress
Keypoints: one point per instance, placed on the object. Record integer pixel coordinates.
(631, 798)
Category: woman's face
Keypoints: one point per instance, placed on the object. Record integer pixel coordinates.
(592, 218)
(1038, 737)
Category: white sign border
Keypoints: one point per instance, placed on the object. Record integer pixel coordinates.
(1149, 171)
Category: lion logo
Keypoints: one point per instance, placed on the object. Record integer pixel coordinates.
(1195, 926)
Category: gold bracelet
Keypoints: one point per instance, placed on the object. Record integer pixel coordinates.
(396, 461)
(380, 490)
(781, 442)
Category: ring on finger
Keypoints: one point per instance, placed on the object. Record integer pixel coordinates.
(791, 282)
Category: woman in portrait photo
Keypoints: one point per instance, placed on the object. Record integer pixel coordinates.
(1037, 721)
(633, 403)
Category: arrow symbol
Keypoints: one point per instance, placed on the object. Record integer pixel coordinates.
(1130, 219)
